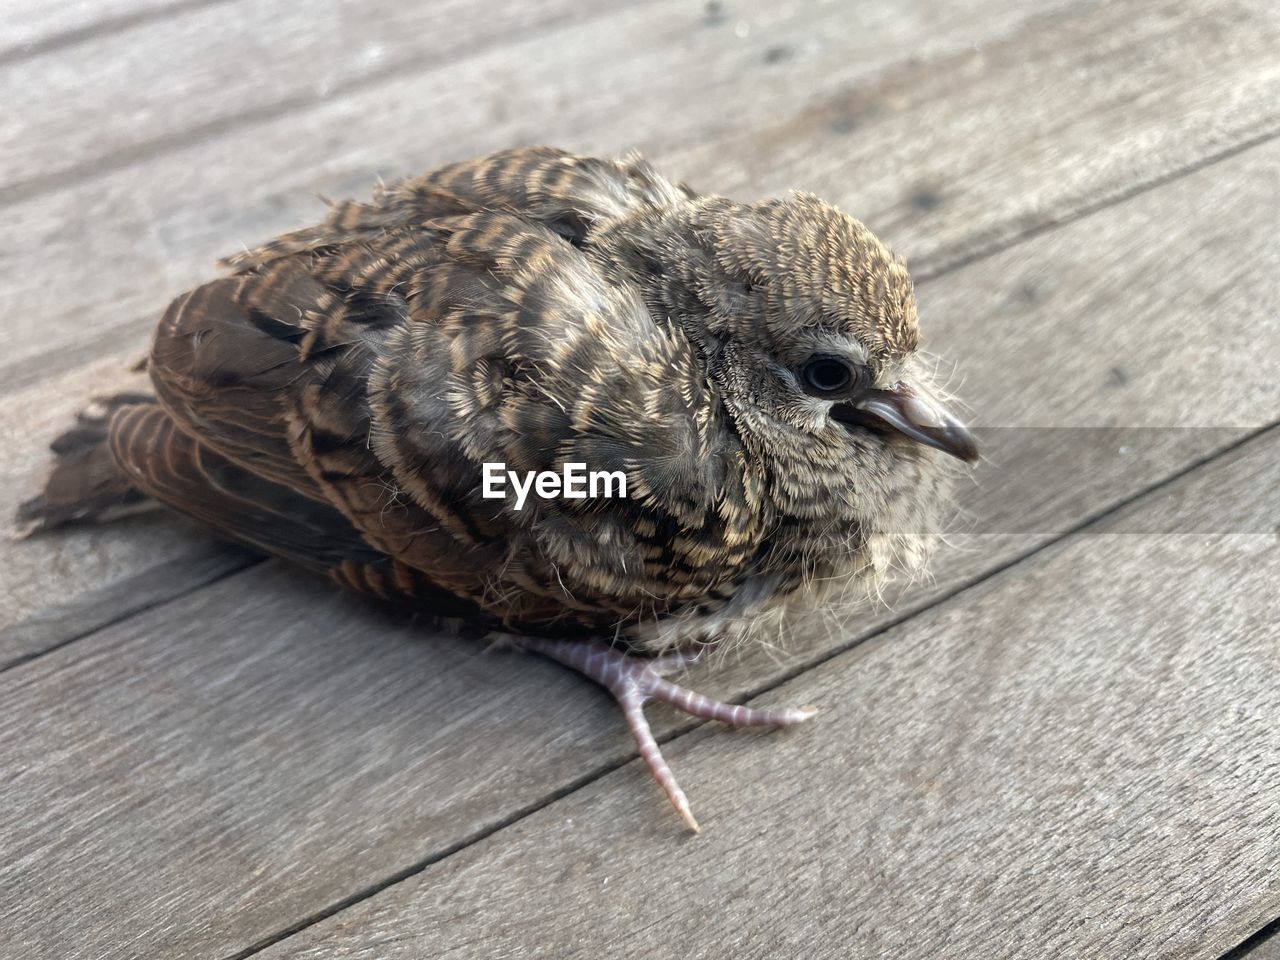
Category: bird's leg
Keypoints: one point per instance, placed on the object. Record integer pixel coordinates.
(634, 680)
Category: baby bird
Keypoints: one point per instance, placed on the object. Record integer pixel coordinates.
(750, 370)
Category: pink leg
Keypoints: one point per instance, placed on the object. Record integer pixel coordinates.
(635, 680)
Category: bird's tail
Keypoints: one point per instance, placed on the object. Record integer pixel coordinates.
(86, 483)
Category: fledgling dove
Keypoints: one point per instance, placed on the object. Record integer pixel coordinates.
(750, 369)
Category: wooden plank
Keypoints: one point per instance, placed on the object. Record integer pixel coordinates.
(235, 761)
(1077, 759)
(32, 27)
(196, 562)
(155, 228)
(117, 737)
(938, 157)
(50, 328)
(206, 66)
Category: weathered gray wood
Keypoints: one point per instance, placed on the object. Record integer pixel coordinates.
(235, 761)
(1080, 758)
(155, 228)
(199, 562)
(33, 26)
(207, 65)
(937, 156)
(99, 744)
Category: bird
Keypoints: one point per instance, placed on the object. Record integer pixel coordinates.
(751, 371)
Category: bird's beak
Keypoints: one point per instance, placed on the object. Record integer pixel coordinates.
(913, 415)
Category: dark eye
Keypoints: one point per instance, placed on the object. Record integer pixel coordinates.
(824, 374)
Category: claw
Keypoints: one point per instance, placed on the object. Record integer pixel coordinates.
(634, 681)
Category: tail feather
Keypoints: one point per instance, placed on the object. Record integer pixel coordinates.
(86, 484)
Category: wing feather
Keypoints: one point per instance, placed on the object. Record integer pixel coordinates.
(350, 380)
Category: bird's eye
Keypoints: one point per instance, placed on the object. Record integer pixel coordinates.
(825, 374)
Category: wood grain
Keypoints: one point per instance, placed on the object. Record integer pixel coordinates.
(111, 724)
(940, 158)
(33, 26)
(1079, 758)
(197, 561)
(117, 247)
(207, 65)
(235, 761)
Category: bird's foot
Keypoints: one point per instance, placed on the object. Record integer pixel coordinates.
(634, 680)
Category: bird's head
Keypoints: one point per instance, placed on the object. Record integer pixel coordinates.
(807, 322)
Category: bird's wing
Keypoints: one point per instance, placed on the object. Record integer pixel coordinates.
(375, 365)
(169, 464)
(518, 349)
(159, 458)
(562, 191)
(225, 360)
(268, 371)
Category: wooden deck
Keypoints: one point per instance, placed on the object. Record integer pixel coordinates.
(1067, 745)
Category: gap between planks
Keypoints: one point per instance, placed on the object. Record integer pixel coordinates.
(98, 29)
(945, 266)
(110, 161)
(1263, 945)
